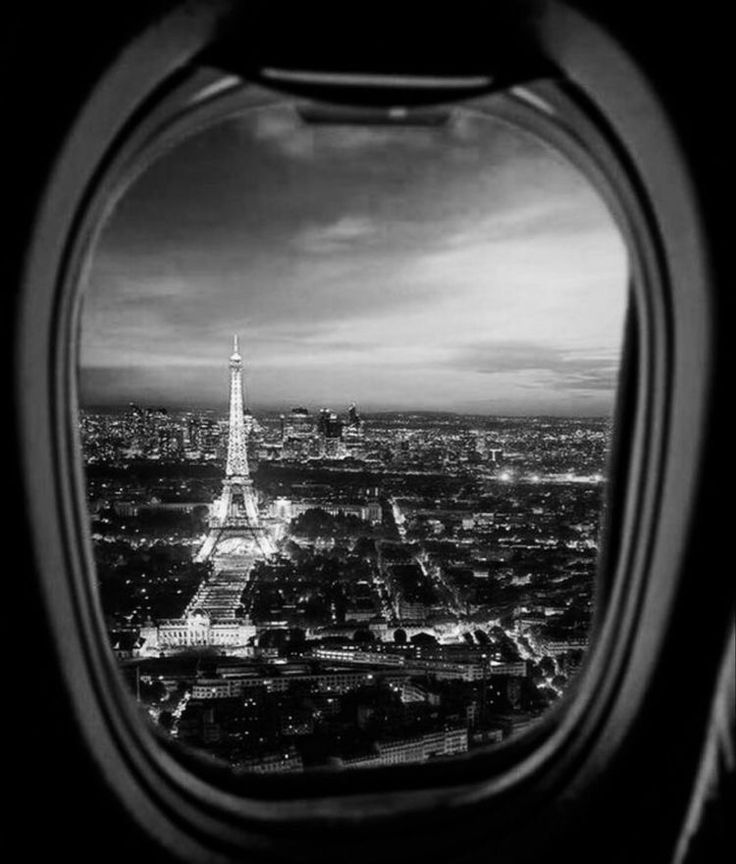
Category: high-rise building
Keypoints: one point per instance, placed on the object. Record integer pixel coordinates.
(354, 421)
(352, 436)
(299, 435)
(330, 426)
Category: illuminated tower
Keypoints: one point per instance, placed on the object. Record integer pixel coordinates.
(237, 457)
(236, 536)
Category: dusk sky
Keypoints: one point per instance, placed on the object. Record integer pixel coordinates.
(466, 268)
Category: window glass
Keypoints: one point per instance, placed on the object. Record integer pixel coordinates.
(346, 395)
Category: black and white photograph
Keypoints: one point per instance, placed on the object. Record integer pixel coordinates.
(366, 439)
(410, 576)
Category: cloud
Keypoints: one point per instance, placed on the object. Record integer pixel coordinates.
(604, 379)
(568, 215)
(338, 236)
(363, 262)
(557, 367)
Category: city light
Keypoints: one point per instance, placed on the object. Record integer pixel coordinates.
(271, 594)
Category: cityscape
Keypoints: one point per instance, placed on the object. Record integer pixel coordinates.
(315, 588)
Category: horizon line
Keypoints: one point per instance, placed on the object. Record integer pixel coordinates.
(270, 409)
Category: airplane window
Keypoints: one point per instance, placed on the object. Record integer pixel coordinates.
(346, 384)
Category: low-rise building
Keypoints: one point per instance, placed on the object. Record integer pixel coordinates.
(195, 630)
(418, 748)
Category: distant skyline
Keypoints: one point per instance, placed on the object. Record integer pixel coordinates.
(465, 269)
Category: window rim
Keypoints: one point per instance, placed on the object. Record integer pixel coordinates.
(185, 112)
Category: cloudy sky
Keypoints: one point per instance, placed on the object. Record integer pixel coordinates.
(464, 268)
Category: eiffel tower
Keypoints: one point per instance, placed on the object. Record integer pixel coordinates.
(236, 537)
